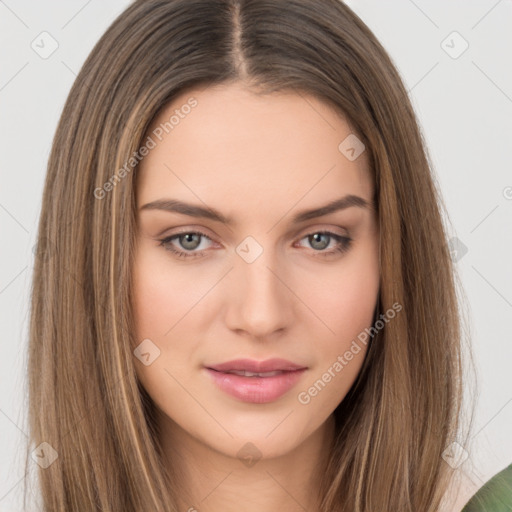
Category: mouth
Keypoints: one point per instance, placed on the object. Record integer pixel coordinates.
(256, 381)
(254, 366)
(245, 373)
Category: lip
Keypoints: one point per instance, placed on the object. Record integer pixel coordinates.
(251, 365)
(256, 390)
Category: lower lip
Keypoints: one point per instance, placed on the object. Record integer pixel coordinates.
(256, 390)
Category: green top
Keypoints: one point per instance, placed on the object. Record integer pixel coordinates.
(494, 496)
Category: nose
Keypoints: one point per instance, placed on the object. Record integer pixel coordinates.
(260, 301)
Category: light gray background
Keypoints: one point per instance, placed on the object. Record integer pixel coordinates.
(465, 108)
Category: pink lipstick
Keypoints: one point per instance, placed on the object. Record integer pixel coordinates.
(256, 381)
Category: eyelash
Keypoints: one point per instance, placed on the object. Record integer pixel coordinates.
(344, 244)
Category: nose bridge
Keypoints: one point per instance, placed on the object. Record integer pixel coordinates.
(262, 302)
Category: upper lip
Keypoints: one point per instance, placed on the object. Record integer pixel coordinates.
(251, 365)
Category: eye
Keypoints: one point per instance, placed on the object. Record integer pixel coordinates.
(320, 240)
(191, 242)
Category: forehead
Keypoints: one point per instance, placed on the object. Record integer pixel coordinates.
(225, 143)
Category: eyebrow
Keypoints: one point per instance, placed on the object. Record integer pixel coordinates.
(173, 205)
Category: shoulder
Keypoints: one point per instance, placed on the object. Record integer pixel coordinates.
(494, 496)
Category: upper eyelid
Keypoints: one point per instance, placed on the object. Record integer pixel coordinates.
(311, 229)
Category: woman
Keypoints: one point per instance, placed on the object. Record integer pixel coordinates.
(248, 298)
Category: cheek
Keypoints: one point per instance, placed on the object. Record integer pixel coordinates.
(157, 308)
(164, 299)
(348, 310)
(154, 302)
(347, 306)
(162, 294)
(346, 300)
(154, 308)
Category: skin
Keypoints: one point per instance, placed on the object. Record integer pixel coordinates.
(259, 160)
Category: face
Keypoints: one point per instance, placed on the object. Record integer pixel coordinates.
(230, 266)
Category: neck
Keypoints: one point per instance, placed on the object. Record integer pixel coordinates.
(210, 481)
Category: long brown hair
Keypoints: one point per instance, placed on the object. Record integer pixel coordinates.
(85, 401)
